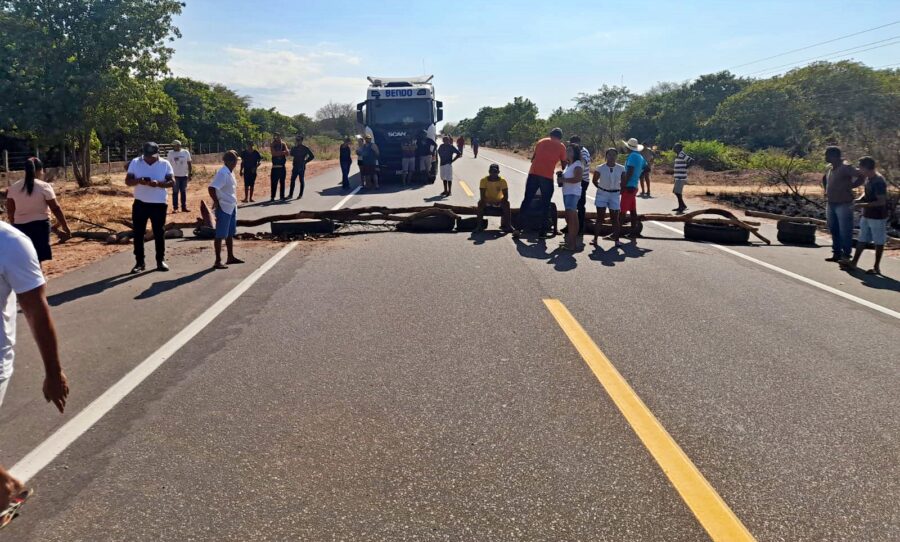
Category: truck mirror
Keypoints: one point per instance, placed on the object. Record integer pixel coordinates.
(440, 111)
(360, 118)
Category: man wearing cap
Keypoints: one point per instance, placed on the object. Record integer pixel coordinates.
(585, 181)
(548, 152)
(634, 168)
(223, 191)
(494, 193)
(425, 147)
(279, 150)
(183, 169)
(302, 155)
(150, 176)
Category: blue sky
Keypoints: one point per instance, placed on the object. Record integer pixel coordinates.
(297, 55)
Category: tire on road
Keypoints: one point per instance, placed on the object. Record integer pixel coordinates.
(470, 223)
(796, 228)
(723, 234)
(788, 238)
(428, 224)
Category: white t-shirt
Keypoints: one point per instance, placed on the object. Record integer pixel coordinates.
(179, 161)
(157, 172)
(226, 189)
(610, 178)
(20, 272)
(586, 160)
(571, 189)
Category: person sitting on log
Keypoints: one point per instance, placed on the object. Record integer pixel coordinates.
(495, 194)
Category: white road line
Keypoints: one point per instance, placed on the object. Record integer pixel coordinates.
(346, 199)
(504, 165)
(48, 450)
(801, 278)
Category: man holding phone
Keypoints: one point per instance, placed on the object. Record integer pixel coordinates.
(151, 178)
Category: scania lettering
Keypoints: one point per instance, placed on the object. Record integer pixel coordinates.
(397, 109)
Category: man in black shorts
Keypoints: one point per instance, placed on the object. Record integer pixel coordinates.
(250, 159)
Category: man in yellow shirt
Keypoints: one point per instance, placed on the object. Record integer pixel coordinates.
(494, 194)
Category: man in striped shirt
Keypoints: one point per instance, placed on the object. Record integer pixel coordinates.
(585, 181)
(682, 162)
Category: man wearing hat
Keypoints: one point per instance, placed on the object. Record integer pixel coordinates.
(150, 176)
(634, 168)
(181, 165)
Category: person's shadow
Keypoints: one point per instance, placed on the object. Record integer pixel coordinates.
(165, 285)
(563, 260)
(877, 282)
(536, 251)
(481, 237)
(88, 290)
(617, 253)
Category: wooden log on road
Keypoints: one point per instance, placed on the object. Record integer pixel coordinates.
(728, 216)
(797, 219)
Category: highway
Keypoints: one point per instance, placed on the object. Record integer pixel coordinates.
(394, 386)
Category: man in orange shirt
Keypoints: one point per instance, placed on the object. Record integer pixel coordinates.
(548, 152)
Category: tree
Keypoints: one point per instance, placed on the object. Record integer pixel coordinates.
(87, 50)
(337, 119)
(763, 115)
(211, 112)
(603, 112)
(136, 111)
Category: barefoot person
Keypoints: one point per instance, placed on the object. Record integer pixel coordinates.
(608, 180)
(223, 191)
(494, 193)
(681, 164)
(150, 176)
(183, 170)
(29, 203)
(447, 154)
(570, 182)
(250, 160)
(634, 168)
(873, 223)
(20, 276)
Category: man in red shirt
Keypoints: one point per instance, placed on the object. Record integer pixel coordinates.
(460, 144)
(548, 152)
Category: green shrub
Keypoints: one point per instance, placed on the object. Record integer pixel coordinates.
(778, 160)
(715, 155)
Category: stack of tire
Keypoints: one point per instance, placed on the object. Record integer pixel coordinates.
(796, 233)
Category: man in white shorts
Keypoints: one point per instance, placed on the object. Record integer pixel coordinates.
(447, 154)
(608, 180)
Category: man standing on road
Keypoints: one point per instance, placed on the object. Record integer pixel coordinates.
(279, 150)
(150, 176)
(475, 145)
(346, 159)
(447, 154)
(494, 193)
(20, 275)
(873, 224)
(368, 167)
(608, 180)
(302, 155)
(548, 152)
(183, 169)
(460, 144)
(250, 160)
(681, 164)
(425, 147)
(223, 191)
(585, 181)
(839, 181)
(634, 168)
(407, 160)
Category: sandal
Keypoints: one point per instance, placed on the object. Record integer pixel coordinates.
(220, 266)
(12, 511)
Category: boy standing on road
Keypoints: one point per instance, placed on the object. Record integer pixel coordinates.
(634, 168)
(447, 154)
(279, 150)
(681, 164)
(20, 275)
(302, 155)
(608, 180)
(223, 191)
(548, 152)
(183, 170)
(874, 205)
(839, 182)
(494, 193)
(150, 176)
(250, 160)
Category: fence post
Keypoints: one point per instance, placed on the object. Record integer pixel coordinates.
(65, 169)
(108, 166)
(217, 147)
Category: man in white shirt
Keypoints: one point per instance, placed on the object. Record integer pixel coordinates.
(183, 170)
(150, 176)
(608, 180)
(585, 181)
(20, 275)
(223, 191)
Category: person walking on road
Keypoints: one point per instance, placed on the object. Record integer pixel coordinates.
(681, 164)
(548, 152)
(223, 191)
(302, 155)
(21, 278)
(570, 181)
(873, 224)
(425, 149)
(150, 176)
(495, 194)
(460, 144)
(250, 160)
(585, 181)
(649, 155)
(608, 179)
(280, 152)
(184, 170)
(346, 159)
(29, 203)
(475, 146)
(634, 167)
(447, 154)
(839, 181)
(368, 155)
(407, 160)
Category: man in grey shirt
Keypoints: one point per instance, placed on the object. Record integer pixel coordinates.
(839, 182)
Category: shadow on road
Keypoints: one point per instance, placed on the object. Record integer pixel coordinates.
(618, 254)
(877, 282)
(480, 238)
(165, 285)
(88, 290)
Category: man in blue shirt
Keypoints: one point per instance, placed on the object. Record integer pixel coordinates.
(634, 168)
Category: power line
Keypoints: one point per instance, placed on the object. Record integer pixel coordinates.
(844, 52)
(814, 45)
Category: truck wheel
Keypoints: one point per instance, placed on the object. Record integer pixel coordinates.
(724, 234)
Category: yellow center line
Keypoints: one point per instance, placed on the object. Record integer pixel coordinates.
(708, 507)
(466, 188)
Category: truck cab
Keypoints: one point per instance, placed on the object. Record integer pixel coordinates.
(397, 109)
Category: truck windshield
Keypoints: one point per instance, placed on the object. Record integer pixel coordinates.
(403, 112)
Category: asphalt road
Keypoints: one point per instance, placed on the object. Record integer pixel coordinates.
(418, 387)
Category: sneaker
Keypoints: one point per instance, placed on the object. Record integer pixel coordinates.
(138, 268)
(833, 259)
(162, 266)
